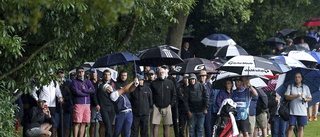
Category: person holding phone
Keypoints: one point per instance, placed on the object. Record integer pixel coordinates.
(40, 120)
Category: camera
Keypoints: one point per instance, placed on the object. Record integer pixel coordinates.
(303, 100)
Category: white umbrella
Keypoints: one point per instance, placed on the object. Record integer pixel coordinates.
(302, 56)
(218, 40)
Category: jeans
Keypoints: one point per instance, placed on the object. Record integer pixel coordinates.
(278, 127)
(208, 124)
(123, 124)
(196, 124)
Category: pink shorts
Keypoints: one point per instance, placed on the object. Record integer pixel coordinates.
(81, 113)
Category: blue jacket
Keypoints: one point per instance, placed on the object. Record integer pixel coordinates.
(81, 91)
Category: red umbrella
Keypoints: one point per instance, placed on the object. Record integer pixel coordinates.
(312, 22)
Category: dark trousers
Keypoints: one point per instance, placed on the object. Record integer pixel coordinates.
(183, 119)
(208, 124)
(175, 121)
(123, 124)
(142, 123)
(107, 115)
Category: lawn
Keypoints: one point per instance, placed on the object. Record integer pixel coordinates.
(311, 130)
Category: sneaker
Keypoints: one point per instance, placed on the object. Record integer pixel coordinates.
(310, 119)
(260, 133)
(269, 132)
(315, 118)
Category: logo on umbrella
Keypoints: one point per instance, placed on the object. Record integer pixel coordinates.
(240, 63)
(178, 68)
(168, 53)
(256, 70)
(199, 67)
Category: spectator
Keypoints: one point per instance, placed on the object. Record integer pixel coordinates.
(289, 42)
(304, 44)
(261, 113)
(81, 90)
(151, 77)
(185, 51)
(106, 104)
(311, 33)
(183, 113)
(242, 97)
(141, 101)
(122, 79)
(298, 94)
(40, 121)
(225, 93)
(196, 99)
(95, 107)
(163, 93)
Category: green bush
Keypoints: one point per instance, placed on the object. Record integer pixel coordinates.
(7, 117)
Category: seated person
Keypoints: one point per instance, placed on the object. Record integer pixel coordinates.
(40, 121)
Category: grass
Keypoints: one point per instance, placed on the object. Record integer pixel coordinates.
(311, 130)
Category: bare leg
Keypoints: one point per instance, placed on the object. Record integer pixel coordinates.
(91, 129)
(290, 131)
(310, 112)
(255, 132)
(315, 110)
(300, 131)
(46, 129)
(82, 129)
(101, 129)
(245, 134)
(155, 130)
(264, 132)
(76, 127)
(166, 130)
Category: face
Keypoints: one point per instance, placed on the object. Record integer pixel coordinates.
(124, 76)
(151, 76)
(245, 80)
(42, 104)
(146, 68)
(141, 82)
(203, 78)
(229, 84)
(186, 81)
(161, 73)
(80, 73)
(95, 75)
(192, 81)
(186, 45)
(107, 76)
(298, 78)
(239, 83)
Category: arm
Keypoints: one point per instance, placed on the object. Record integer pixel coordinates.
(288, 95)
(90, 88)
(308, 96)
(58, 90)
(116, 94)
(253, 91)
(76, 91)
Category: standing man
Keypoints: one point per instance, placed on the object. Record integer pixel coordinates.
(163, 93)
(106, 104)
(141, 101)
(242, 96)
(208, 117)
(122, 79)
(81, 90)
(299, 96)
(196, 99)
(183, 113)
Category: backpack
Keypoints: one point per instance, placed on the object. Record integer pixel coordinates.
(284, 109)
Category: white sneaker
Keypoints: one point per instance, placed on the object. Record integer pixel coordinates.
(260, 133)
(269, 132)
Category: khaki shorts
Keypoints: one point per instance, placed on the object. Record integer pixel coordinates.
(252, 121)
(164, 113)
(261, 121)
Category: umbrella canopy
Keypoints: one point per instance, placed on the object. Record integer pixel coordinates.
(251, 64)
(175, 49)
(195, 65)
(120, 58)
(87, 65)
(312, 22)
(307, 39)
(285, 33)
(274, 41)
(315, 55)
(159, 56)
(218, 40)
(221, 78)
(292, 62)
(286, 50)
(301, 56)
(231, 50)
(114, 74)
(311, 79)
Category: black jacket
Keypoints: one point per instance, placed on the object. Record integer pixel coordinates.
(163, 92)
(262, 103)
(104, 98)
(37, 117)
(67, 99)
(196, 98)
(141, 100)
(180, 96)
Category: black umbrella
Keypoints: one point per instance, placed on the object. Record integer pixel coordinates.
(195, 65)
(173, 48)
(158, 56)
(285, 33)
(274, 41)
(231, 50)
(307, 39)
(286, 50)
(120, 58)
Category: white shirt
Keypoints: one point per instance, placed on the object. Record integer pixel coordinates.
(48, 93)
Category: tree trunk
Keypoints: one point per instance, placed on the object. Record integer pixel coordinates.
(175, 32)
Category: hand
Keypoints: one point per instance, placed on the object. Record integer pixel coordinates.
(190, 115)
(98, 108)
(205, 112)
(60, 100)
